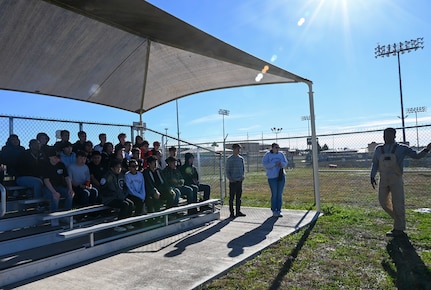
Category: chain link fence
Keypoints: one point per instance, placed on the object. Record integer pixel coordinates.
(344, 160)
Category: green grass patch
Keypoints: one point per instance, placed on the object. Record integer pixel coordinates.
(346, 248)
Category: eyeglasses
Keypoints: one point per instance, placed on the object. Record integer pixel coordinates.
(277, 147)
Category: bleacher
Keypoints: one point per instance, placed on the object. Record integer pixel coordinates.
(30, 246)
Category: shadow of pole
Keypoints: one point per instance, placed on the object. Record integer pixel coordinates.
(251, 238)
(293, 255)
(197, 238)
(410, 271)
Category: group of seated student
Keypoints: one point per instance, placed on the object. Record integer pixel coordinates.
(129, 177)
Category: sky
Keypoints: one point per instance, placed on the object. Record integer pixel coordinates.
(330, 42)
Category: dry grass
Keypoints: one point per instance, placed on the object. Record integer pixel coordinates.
(344, 249)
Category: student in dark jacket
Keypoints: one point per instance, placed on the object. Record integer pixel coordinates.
(29, 168)
(114, 193)
(191, 176)
(157, 188)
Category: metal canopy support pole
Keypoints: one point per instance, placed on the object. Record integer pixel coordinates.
(144, 85)
(314, 149)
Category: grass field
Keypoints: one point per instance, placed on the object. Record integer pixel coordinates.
(344, 249)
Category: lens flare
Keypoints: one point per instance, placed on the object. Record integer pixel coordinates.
(259, 77)
(301, 21)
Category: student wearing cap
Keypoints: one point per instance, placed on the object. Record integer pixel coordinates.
(157, 188)
(191, 176)
(114, 193)
(57, 183)
(235, 172)
(175, 180)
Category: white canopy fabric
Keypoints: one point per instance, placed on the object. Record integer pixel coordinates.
(126, 54)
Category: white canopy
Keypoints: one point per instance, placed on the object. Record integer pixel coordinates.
(126, 54)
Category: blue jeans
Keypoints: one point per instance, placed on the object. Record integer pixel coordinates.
(64, 192)
(276, 187)
(35, 183)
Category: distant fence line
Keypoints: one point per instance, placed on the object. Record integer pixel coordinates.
(209, 158)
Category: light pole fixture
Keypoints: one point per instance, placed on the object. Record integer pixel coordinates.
(396, 49)
(417, 110)
(307, 118)
(224, 112)
(276, 131)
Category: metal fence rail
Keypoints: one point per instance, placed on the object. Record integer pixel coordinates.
(343, 165)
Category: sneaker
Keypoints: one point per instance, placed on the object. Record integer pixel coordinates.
(232, 216)
(120, 229)
(280, 214)
(395, 233)
(240, 214)
(130, 227)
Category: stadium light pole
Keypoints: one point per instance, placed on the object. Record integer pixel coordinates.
(307, 118)
(224, 112)
(276, 131)
(417, 110)
(396, 49)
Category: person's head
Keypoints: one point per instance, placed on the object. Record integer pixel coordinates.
(64, 135)
(127, 146)
(108, 147)
(156, 145)
(275, 148)
(172, 151)
(145, 145)
(136, 153)
(188, 158)
(389, 135)
(122, 137)
(115, 166)
(34, 145)
(82, 136)
(96, 158)
(67, 148)
(236, 148)
(171, 161)
(88, 146)
(81, 157)
(133, 165)
(102, 138)
(13, 140)
(43, 138)
(53, 156)
(152, 162)
(119, 153)
(138, 140)
(159, 155)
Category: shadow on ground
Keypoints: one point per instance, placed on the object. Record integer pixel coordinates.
(410, 271)
(251, 238)
(293, 255)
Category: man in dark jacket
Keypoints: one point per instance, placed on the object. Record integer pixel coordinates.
(114, 193)
(191, 176)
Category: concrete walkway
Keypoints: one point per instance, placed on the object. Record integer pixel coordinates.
(186, 260)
